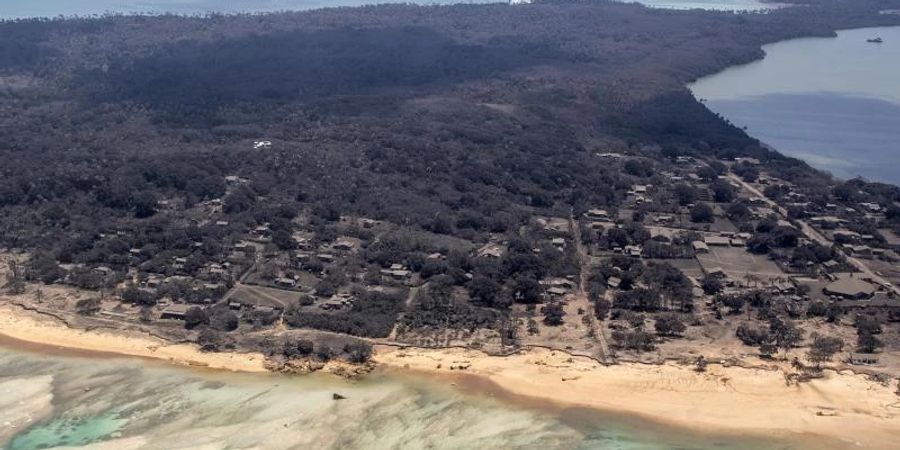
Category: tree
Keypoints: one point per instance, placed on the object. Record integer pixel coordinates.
(760, 243)
(752, 336)
(748, 172)
(868, 343)
(484, 290)
(685, 194)
(527, 290)
(711, 285)
(194, 317)
(785, 334)
(601, 308)
(144, 204)
(866, 324)
(638, 339)
(223, 319)
(669, 325)
(298, 347)
(15, 283)
(723, 191)
(823, 348)
(553, 314)
(701, 212)
(735, 303)
(358, 352)
(88, 306)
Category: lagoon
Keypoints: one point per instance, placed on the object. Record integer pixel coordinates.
(833, 102)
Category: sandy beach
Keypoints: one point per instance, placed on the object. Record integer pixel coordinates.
(838, 411)
(30, 327)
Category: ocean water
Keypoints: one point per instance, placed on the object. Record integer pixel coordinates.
(17, 9)
(53, 401)
(13, 9)
(834, 102)
(721, 5)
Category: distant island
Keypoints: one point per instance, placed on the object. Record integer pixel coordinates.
(319, 190)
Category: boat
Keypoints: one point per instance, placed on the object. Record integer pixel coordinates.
(876, 40)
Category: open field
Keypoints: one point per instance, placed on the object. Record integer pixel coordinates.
(738, 262)
(264, 296)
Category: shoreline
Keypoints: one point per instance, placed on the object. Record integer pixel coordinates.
(839, 410)
(17, 324)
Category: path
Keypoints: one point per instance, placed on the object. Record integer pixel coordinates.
(584, 263)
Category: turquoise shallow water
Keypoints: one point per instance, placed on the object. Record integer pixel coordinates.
(47, 401)
(68, 431)
(834, 102)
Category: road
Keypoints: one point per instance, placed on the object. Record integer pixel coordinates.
(585, 267)
(814, 235)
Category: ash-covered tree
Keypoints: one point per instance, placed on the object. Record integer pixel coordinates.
(702, 213)
(669, 325)
(823, 348)
(194, 317)
(553, 314)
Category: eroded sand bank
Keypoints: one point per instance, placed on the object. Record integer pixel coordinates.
(22, 325)
(846, 408)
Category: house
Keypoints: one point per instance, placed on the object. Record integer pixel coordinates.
(614, 282)
(325, 257)
(559, 243)
(597, 214)
(397, 272)
(718, 241)
(344, 245)
(557, 292)
(846, 236)
(285, 282)
(175, 312)
(244, 247)
(826, 222)
(558, 282)
(850, 288)
(862, 250)
(665, 218)
(261, 233)
(859, 359)
(737, 242)
(492, 251)
(700, 247)
(633, 250)
(784, 287)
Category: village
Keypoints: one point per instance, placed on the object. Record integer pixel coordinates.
(697, 253)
